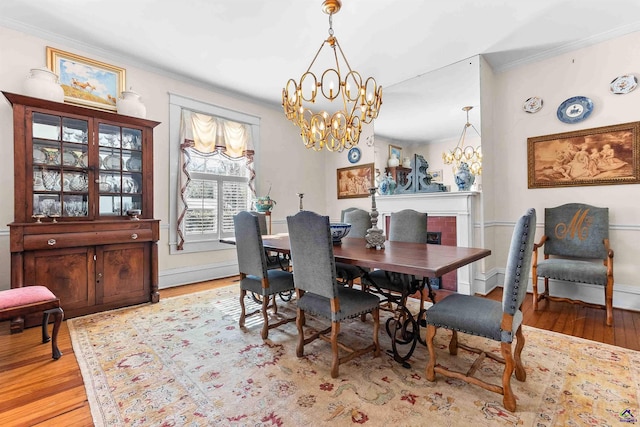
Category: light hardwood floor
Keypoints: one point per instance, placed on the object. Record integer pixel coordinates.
(38, 391)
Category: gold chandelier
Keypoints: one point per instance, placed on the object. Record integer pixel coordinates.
(358, 102)
(467, 154)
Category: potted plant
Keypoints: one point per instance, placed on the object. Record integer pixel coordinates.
(264, 203)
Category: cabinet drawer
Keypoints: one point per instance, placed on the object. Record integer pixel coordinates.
(67, 240)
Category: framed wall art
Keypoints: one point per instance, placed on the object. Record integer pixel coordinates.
(394, 149)
(598, 156)
(85, 81)
(436, 175)
(355, 181)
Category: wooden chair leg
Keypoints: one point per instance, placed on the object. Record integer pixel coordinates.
(58, 315)
(376, 327)
(275, 306)
(534, 284)
(335, 361)
(430, 371)
(608, 301)
(243, 312)
(265, 316)
(453, 344)
(509, 400)
(300, 320)
(45, 326)
(521, 374)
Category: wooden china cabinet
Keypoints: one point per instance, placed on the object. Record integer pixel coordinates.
(83, 214)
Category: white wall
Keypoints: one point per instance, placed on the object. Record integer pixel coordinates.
(281, 159)
(587, 72)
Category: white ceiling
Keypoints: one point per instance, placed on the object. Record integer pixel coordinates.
(252, 47)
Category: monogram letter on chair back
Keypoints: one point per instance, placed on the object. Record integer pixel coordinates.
(576, 249)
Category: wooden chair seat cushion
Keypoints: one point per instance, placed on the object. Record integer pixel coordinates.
(279, 281)
(573, 271)
(353, 303)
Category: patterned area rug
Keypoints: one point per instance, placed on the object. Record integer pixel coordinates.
(185, 362)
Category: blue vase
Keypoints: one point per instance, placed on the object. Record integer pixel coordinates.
(387, 185)
(464, 177)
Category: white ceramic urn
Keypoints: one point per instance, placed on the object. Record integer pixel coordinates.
(406, 162)
(43, 83)
(393, 161)
(130, 104)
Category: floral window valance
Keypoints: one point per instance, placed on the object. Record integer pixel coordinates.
(208, 134)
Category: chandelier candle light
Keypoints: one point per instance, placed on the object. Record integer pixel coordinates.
(359, 101)
(467, 154)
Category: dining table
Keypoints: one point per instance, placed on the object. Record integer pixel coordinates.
(417, 260)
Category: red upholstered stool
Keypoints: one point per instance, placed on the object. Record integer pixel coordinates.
(32, 299)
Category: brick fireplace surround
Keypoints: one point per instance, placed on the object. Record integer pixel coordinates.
(451, 213)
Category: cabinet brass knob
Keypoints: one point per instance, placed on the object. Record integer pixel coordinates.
(51, 242)
(134, 236)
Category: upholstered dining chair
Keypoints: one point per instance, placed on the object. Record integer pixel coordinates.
(255, 277)
(318, 292)
(360, 221)
(498, 321)
(404, 226)
(274, 260)
(576, 249)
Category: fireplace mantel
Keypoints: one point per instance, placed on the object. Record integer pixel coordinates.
(463, 205)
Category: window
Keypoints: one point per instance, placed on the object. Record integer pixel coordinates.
(212, 173)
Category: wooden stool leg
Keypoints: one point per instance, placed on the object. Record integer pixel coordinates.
(58, 315)
(45, 323)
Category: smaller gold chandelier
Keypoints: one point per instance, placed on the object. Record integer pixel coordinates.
(359, 101)
(470, 155)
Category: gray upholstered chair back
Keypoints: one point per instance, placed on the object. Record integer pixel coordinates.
(516, 276)
(408, 226)
(359, 219)
(314, 268)
(251, 254)
(262, 221)
(576, 230)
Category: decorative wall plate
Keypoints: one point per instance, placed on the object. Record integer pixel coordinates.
(532, 105)
(623, 84)
(575, 109)
(354, 155)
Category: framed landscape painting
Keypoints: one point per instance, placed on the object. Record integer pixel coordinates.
(355, 181)
(85, 81)
(598, 156)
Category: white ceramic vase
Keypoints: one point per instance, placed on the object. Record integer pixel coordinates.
(130, 104)
(43, 83)
(406, 162)
(393, 161)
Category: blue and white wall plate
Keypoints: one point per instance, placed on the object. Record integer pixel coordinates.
(354, 155)
(575, 109)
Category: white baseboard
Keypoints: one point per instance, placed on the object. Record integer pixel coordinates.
(187, 275)
(624, 296)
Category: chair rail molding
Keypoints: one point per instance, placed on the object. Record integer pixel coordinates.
(463, 205)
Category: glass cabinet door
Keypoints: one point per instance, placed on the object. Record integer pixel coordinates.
(120, 169)
(60, 166)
